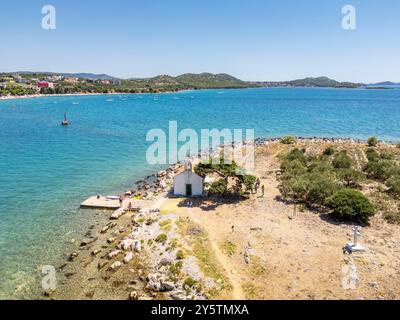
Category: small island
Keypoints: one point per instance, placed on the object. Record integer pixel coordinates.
(253, 236)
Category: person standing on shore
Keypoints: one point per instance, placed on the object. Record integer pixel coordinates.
(258, 183)
(263, 190)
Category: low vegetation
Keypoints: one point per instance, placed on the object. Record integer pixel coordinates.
(393, 183)
(288, 140)
(219, 188)
(161, 238)
(241, 184)
(180, 255)
(350, 204)
(307, 179)
(190, 282)
(228, 247)
(333, 180)
(314, 179)
(383, 168)
(372, 142)
(328, 151)
(201, 249)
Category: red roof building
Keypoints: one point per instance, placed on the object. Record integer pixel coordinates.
(44, 84)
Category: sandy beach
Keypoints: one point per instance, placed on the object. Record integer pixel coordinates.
(57, 95)
(81, 94)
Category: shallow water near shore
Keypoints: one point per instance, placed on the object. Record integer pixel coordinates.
(47, 170)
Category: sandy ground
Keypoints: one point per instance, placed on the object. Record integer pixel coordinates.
(298, 257)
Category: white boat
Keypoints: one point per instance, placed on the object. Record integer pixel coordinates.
(112, 197)
(65, 122)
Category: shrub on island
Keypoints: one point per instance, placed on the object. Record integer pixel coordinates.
(218, 188)
(372, 142)
(342, 160)
(350, 177)
(372, 154)
(381, 170)
(180, 255)
(288, 140)
(242, 184)
(307, 179)
(394, 185)
(161, 238)
(350, 204)
(328, 151)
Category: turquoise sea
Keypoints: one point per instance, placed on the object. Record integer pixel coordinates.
(46, 170)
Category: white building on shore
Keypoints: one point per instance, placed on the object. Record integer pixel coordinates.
(188, 183)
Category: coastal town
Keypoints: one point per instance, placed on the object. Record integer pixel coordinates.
(20, 84)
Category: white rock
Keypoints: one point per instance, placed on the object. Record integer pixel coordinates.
(161, 173)
(115, 265)
(114, 254)
(137, 246)
(126, 244)
(128, 257)
(95, 252)
(154, 281)
(118, 213)
(105, 229)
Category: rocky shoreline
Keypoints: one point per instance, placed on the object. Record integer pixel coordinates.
(265, 141)
(135, 255)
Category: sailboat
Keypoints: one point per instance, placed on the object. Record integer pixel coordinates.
(65, 122)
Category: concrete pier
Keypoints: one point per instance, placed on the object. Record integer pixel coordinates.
(114, 204)
(100, 203)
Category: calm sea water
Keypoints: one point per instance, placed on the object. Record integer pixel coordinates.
(46, 171)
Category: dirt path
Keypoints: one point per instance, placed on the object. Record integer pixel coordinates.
(217, 236)
(224, 261)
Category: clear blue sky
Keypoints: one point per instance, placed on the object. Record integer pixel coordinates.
(252, 39)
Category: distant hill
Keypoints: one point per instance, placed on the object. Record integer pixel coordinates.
(385, 83)
(209, 80)
(89, 76)
(191, 81)
(323, 82)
